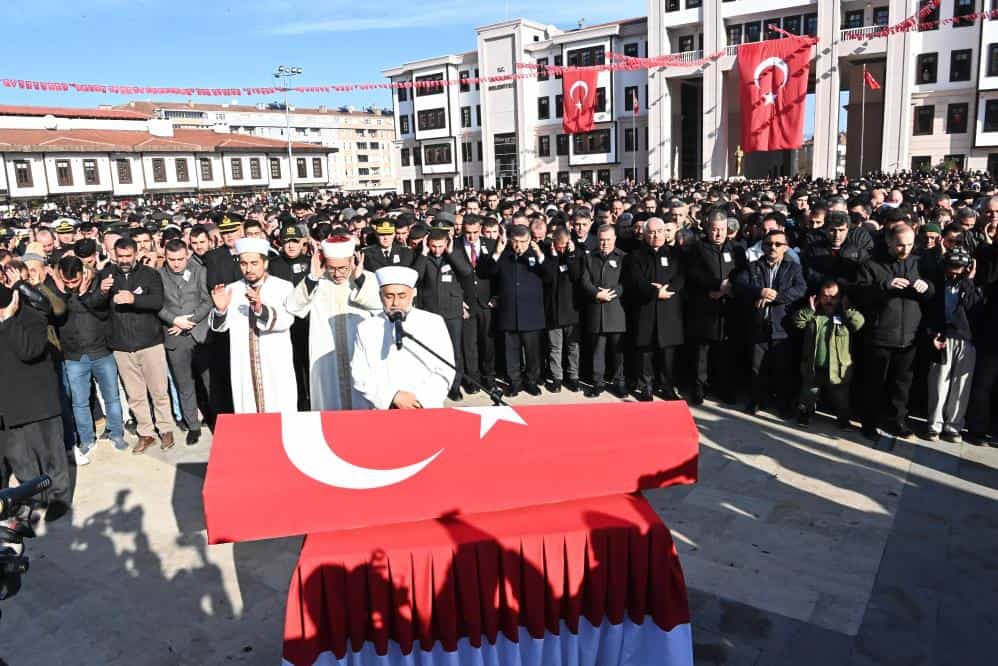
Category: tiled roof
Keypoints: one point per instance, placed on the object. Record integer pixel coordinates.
(183, 140)
(150, 107)
(70, 112)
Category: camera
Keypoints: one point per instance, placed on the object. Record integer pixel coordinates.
(16, 505)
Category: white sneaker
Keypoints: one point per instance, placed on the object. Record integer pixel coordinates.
(81, 457)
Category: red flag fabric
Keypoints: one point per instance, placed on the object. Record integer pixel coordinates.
(637, 109)
(579, 100)
(871, 82)
(773, 88)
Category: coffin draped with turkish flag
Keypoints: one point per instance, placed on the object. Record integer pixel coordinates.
(467, 536)
(774, 76)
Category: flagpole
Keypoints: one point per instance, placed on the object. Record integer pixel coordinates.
(862, 122)
(634, 155)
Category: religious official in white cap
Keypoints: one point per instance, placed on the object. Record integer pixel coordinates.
(397, 373)
(252, 310)
(337, 295)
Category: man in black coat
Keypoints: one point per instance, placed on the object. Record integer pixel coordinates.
(30, 419)
(222, 266)
(710, 310)
(655, 278)
(518, 276)
(387, 252)
(477, 338)
(293, 264)
(892, 292)
(561, 306)
(832, 255)
(441, 289)
(603, 317)
(769, 289)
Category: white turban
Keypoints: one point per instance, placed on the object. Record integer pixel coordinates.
(396, 275)
(339, 249)
(255, 245)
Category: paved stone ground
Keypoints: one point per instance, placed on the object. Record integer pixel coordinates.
(800, 547)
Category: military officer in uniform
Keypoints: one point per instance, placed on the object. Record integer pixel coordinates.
(387, 252)
(293, 265)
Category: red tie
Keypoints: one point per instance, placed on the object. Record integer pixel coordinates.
(474, 256)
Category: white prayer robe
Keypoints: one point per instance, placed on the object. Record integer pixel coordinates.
(380, 369)
(280, 392)
(334, 311)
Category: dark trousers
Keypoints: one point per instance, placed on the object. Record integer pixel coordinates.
(888, 369)
(714, 353)
(37, 448)
(836, 394)
(771, 371)
(479, 346)
(607, 351)
(454, 328)
(979, 411)
(189, 366)
(299, 357)
(523, 357)
(221, 373)
(656, 365)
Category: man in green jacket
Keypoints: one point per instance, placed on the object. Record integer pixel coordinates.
(826, 361)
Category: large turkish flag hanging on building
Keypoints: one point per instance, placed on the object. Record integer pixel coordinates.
(578, 94)
(773, 88)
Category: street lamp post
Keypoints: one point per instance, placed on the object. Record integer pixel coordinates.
(287, 73)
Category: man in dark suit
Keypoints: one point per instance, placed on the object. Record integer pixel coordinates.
(293, 264)
(518, 277)
(769, 288)
(603, 318)
(186, 305)
(564, 264)
(441, 289)
(222, 267)
(655, 277)
(478, 341)
(387, 252)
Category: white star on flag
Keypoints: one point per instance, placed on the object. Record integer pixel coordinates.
(492, 415)
(769, 98)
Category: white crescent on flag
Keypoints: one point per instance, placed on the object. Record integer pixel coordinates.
(571, 92)
(774, 62)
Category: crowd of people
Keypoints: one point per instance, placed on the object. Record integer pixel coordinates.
(157, 315)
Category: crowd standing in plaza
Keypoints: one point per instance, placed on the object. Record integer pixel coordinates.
(157, 315)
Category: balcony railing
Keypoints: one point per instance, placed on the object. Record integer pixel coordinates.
(731, 50)
(864, 32)
(688, 56)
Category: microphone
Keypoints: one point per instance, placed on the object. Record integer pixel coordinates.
(396, 318)
(11, 497)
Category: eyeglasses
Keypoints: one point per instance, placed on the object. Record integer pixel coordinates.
(773, 244)
(339, 269)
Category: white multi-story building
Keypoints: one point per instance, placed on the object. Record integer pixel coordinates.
(938, 100)
(363, 137)
(99, 153)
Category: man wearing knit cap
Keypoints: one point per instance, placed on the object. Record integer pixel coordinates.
(252, 310)
(336, 296)
(391, 370)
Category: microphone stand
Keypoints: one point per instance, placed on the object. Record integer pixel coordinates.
(495, 394)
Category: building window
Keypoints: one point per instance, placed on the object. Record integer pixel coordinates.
(206, 169)
(124, 169)
(586, 175)
(954, 162)
(693, 4)
(991, 115)
(407, 187)
(237, 168)
(563, 177)
(959, 65)
(542, 69)
(734, 33)
(275, 168)
(591, 143)
(993, 165)
(317, 167)
(362, 145)
(630, 98)
(468, 182)
(463, 79)
(301, 167)
(603, 176)
(753, 32)
(925, 68)
(559, 106)
(431, 85)
(183, 175)
(159, 170)
(557, 63)
(921, 163)
(811, 25)
(962, 8)
(544, 146)
(685, 43)
(436, 185)
(956, 118)
(467, 152)
(90, 175)
(22, 173)
(431, 119)
(601, 100)
(543, 108)
(437, 153)
(561, 144)
(403, 94)
(545, 180)
(419, 186)
(363, 171)
(852, 19)
(792, 24)
(375, 145)
(448, 185)
(629, 146)
(481, 155)
(363, 158)
(404, 157)
(881, 15)
(478, 85)
(629, 174)
(255, 172)
(930, 19)
(924, 117)
(403, 124)
(417, 157)
(465, 116)
(478, 115)
(670, 6)
(588, 57)
(631, 50)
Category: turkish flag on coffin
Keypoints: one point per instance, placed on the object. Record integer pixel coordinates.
(578, 94)
(773, 88)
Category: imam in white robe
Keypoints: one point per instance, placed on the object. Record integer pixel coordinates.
(334, 311)
(280, 392)
(380, 369)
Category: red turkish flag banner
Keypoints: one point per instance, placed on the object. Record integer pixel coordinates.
(773, 88)
(871, 82)
(578, 94)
